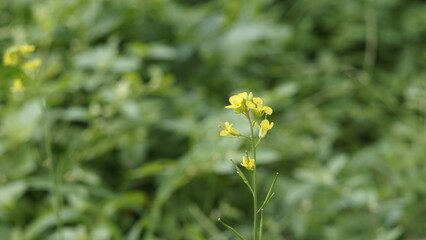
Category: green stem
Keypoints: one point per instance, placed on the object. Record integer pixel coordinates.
(253, 147)
(232, 229)
(243, 177)
(270, 193)
(54, 174)
(261, 225)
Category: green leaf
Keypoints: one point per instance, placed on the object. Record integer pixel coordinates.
(20, 125)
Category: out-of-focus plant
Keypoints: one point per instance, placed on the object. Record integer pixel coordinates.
(18, 57)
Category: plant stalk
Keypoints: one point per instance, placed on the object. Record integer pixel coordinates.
(253, 146)
(53, 171)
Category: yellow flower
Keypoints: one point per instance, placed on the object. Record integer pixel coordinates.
(32, 64)
(258, 109)
(26, 49)
(249, 163)
(17, 86)
(264, 127)
(228, 130)
(10, 59)
(15, 54)
(238, 102)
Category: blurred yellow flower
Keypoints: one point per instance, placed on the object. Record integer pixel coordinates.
(228, 130)
(264, 127)
(15, 54)
(249, 163)
(32, 64)
(258, 109)
(17, 86)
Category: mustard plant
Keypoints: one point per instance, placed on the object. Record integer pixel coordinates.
(19, 58)
(256, 113)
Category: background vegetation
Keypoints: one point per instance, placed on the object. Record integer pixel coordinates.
(135, 93)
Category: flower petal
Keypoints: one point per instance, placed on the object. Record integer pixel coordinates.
(250, 104)
(267, 110)
(258, 101)
(224, 133)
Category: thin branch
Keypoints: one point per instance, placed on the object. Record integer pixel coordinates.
(270, 193)
(243, 177)
(232, 229)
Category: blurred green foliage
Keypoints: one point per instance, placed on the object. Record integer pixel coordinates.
(135, 93)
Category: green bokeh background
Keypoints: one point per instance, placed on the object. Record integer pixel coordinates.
(135, 93)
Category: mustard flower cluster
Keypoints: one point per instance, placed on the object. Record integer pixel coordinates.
(253, 109)
(17, 56)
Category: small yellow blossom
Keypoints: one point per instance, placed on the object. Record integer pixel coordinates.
(238, 102)
(17, 86)
(26, 49)
(264, 127)
(15, 54)
(32, 64)
(10, 59)
(258, 109)
(249, 163)
(228, 130)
